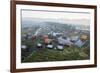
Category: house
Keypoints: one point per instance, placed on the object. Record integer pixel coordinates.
(33, 37)
(79, 43)
(45, 37)
(50, 46)
(60, 47)
(47, 40)
(84, 37)
(74, 38)
(54, 34)
(64, 41)
(39, 45)
(23, 47)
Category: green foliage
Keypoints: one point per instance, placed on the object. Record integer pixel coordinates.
(69, 53)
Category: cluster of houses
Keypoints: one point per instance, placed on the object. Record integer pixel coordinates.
(54, 40)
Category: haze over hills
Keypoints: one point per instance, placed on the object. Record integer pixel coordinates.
(36, 21)
(34, 25)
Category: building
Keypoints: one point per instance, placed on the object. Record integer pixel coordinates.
(33, 37)
(79, 43)
(46, 39)
(74, 38)
(39, 45)
(64, 41)
(60, 47)
(50, 46)
(54, 34)
(23, 47)
(84, 37)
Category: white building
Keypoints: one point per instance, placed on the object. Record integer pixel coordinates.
(59, 47)
(23, 47)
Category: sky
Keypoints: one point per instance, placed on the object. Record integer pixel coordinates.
(54, 14)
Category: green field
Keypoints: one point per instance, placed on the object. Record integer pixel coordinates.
(69, 53)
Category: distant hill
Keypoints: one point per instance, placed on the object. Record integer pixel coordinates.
(37, 21)
(44, 26)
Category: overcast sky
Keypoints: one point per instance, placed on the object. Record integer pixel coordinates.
(54, 15)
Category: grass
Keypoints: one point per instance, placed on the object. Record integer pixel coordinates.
(69, 53)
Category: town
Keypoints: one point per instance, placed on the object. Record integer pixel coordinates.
(54, 42)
